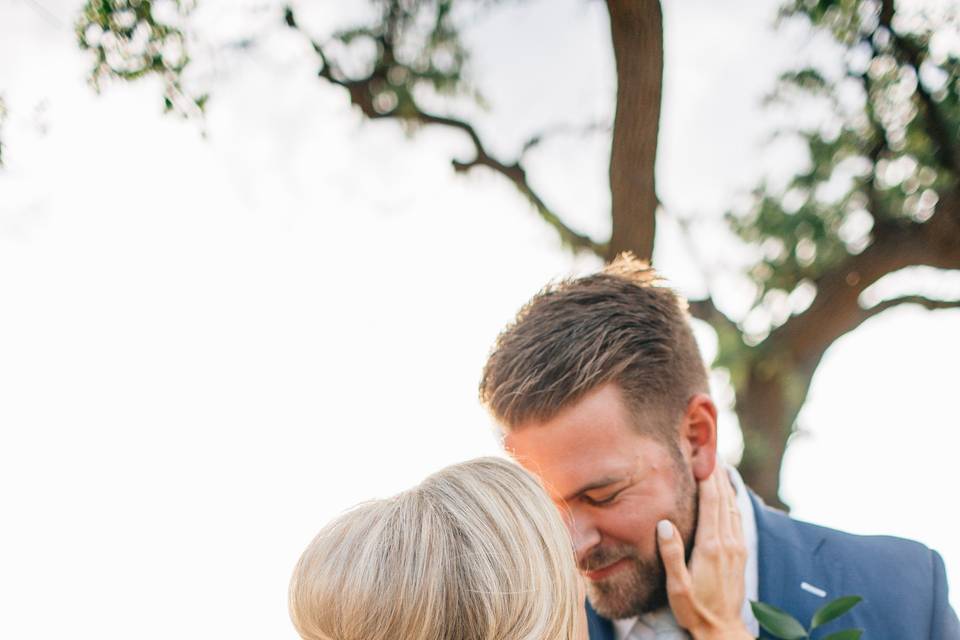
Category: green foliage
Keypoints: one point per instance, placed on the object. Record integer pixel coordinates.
(781, 624)
(416, 47)
(833, 610)
(846, 634)
(409, 47)
(134, 39)
(880, 154)
(778, 622)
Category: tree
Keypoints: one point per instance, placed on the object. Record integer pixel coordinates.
(888, 138)
(879, 194)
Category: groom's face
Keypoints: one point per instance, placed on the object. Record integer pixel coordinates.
(612, 484)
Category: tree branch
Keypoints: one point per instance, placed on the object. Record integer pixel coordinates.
(880, 143)
(707, 311)
(362, 96)
(836, 309)
(562, 129)
(516, 174)
(704, 309)
(927, 303)
(937, 128)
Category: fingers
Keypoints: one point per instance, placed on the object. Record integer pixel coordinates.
(719, 530)
(732, 529)
(709, 512)
(735, 529)
(671, 550)
(728, 506)
(678, 578)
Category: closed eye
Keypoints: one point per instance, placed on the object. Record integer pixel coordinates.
(599, 502)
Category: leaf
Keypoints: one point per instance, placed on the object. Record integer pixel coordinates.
(846, 634)
(833, 610)
(778, 622)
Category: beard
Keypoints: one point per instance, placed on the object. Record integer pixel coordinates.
(641, 587)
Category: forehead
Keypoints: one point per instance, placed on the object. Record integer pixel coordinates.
(592, 440)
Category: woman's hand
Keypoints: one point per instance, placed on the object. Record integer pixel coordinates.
(707, 597)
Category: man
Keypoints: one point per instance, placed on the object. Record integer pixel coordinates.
(601, 391)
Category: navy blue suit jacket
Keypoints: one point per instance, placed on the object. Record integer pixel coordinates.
(903, 583)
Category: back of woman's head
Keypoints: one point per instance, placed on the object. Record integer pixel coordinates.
(475, 552)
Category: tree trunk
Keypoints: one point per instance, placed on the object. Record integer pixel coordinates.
(637, 34)
(760, 406)
(767, 407)
(779, 376)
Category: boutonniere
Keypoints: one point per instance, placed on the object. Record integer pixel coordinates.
(781, 624)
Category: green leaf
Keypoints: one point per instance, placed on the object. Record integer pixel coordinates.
(833, 610)
(778, 622)
(846, 634)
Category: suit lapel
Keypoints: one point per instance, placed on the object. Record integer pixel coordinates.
(786, 559)
(792, 576)
(772, 562)
(599, 628)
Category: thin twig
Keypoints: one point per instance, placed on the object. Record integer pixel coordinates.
(362, 96)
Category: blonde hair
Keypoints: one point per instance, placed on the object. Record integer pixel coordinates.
(476, 552)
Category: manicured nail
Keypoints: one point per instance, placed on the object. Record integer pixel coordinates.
(665, 529)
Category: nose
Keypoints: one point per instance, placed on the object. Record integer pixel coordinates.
(583, 532)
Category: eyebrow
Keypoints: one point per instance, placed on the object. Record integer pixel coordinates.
(596, 484)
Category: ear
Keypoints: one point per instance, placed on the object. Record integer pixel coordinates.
(699, 433)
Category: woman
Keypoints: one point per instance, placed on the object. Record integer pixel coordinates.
(477, 551)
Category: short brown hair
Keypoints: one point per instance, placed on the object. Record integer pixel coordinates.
(619, 325)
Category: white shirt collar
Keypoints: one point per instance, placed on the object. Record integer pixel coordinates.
(644, 627)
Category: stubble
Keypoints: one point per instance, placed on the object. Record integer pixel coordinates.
(640, 587)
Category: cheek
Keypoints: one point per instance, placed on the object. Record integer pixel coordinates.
(635, 523)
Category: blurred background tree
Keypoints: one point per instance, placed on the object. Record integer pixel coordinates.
(879, 193)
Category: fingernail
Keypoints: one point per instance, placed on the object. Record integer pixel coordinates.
(665, 529)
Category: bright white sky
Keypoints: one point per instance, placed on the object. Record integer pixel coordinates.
(210, 347)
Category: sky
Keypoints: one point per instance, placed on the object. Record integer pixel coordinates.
(212, 344)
